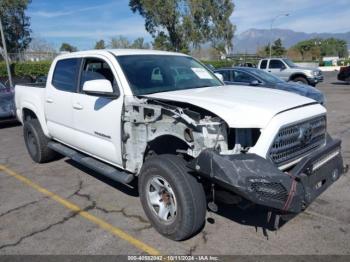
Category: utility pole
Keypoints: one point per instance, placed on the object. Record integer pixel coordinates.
(272, 21)
(5, 54)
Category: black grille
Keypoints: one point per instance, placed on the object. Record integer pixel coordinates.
(270, 190)
(297, 140)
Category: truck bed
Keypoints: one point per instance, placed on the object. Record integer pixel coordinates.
(31, 96)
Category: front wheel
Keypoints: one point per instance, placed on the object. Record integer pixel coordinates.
(301, 80)
(173, 200)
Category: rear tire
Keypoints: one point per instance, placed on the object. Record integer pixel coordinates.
(301, 80)
(37, 143)
(165, 183)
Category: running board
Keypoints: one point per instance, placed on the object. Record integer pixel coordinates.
(92, 163)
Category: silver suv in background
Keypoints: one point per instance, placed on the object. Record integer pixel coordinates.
(288, 71)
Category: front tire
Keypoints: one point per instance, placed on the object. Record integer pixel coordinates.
(301, 80)
(173, 200)
(37, 143)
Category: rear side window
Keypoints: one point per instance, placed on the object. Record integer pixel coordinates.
(65, 75)
(263, 64)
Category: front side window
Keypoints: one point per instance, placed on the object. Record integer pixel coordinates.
(276, 64)
(95, 69)
(149, 74)
(65, 75)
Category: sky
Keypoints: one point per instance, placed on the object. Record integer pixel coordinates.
(83, 22)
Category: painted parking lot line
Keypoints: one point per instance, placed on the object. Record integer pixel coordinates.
(73, 207)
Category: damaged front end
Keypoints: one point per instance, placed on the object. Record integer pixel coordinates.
(152, 126)
(221, 156)
(259, 181)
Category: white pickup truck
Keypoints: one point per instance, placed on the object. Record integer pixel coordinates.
(190, 140)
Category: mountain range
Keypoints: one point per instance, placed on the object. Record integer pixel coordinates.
(251, 40)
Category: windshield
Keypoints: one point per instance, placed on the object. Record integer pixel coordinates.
(290, 63)
(149, 74)
(266, 77)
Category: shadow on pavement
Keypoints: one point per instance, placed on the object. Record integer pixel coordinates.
(340, 83)
(254, 216)
(9, 123)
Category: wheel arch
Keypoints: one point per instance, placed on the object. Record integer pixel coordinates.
(165, 144)
(295, 75)
(29, 111)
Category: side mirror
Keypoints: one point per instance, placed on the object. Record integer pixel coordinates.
(220, 76)
(254, 83)
(283, 67)
(99, 87)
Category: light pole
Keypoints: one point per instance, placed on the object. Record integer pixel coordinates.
(273, 20)
(5, 54)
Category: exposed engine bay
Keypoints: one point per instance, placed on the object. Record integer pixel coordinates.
(146, 120)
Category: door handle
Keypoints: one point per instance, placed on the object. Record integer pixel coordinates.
(49, 100)
(78, 106)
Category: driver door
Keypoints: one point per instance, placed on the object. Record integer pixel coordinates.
(277, 67)
(97, 119)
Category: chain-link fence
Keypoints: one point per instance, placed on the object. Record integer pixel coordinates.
(32, 56)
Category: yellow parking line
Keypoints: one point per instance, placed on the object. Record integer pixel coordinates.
(69, 205)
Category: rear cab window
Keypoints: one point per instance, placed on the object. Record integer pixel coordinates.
(65, 74)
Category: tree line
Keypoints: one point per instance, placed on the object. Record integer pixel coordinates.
(312, 49)
(177, 25)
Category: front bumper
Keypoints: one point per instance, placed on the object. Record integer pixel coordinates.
(259, 181)
(315, 79)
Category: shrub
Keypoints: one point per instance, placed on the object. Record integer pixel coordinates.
(3, 70)
(25, 69)
(218, 63)
(32, 69)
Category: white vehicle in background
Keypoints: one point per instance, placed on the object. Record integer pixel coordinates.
(285, 69)
(166, 119)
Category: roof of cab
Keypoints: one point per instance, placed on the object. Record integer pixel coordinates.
(121, 52)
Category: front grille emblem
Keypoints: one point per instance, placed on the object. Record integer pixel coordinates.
(305, 134)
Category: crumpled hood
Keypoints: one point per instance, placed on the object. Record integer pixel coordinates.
(301, 89)
(239, 106)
